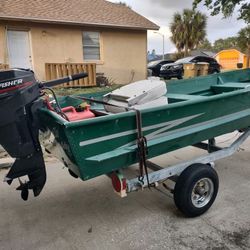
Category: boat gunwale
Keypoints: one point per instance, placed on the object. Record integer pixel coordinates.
(108, 117)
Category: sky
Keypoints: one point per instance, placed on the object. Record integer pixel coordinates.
(161, 12)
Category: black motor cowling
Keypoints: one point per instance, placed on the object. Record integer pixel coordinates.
(19, 125)
(19, 128)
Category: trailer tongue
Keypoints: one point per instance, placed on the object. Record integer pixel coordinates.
(19, 127)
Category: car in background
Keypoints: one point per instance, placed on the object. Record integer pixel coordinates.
(155, 66)
(176, 69)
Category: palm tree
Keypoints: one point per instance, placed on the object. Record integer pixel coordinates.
(188, 30)
(176, 29)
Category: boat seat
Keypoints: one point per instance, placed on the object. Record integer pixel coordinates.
(230, 86)
(184, 97)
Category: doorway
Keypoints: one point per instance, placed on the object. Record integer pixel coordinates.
(19, 49)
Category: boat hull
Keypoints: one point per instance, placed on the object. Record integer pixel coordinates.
(108, 143)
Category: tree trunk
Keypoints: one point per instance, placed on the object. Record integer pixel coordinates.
(248, 56)
(186, 51)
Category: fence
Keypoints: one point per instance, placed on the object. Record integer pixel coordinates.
(4, 66)
(57, 70)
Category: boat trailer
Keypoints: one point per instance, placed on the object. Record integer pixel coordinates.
(106, 143)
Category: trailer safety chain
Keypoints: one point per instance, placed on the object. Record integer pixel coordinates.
(142, 150)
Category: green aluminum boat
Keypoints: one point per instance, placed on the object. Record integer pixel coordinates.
(198, 109)
(106, 133)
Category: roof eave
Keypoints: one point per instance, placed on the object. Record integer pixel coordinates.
(39, 20)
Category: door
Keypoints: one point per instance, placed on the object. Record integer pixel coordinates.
(19, 49)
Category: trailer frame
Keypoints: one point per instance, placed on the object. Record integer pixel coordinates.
(161, 174)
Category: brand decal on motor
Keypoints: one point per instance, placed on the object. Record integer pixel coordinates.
(11, 83)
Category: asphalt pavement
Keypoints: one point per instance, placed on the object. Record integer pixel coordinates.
(72, 214)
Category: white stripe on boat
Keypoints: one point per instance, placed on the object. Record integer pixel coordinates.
(163, 127)
(194, 127)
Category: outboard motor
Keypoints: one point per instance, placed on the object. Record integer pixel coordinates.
(19, 126)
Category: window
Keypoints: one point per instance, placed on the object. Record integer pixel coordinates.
(206, 59)
(185, 60)
(196, 59)
(91, 46)
(213, 61)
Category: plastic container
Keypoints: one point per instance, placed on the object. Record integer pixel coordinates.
(189, 70)
(73, 115)
(202, 69)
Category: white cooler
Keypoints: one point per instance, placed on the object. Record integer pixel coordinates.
(138, 95)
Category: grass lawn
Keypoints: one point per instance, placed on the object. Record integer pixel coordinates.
(86, 90)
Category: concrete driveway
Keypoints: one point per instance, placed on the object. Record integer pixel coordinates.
(71, 214)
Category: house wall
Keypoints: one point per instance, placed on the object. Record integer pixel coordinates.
(123, 52)
(124, 55)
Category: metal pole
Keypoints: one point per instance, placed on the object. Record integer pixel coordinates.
(163, 44)
(163, 37)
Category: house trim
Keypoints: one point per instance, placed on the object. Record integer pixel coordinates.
(111, 25)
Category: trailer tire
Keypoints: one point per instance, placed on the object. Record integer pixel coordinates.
(196, 189)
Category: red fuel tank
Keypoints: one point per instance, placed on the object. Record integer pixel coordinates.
(73, 115)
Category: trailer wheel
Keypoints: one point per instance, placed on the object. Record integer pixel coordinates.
(196, 189)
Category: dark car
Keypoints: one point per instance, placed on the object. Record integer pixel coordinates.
(170, 70)
(155, 66)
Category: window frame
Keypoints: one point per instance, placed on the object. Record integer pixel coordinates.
(98, 61)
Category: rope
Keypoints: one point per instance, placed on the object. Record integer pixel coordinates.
(58, 107)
